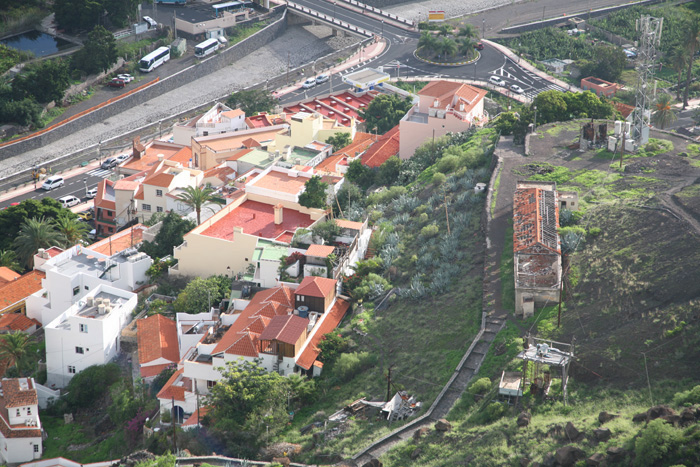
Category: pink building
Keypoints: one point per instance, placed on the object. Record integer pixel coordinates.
(443, 107)
(599, 87)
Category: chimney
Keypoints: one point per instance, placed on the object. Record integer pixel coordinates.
(161, 157)
(279, 214)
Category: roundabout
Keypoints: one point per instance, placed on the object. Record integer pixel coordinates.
(461, 63)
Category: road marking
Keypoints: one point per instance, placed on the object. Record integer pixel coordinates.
(104, 173)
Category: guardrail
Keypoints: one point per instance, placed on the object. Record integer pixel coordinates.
(380, 12)
(329, 19)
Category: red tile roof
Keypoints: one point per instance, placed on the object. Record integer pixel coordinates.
(161, 180)
(253, 319)
(256, 218)
(386, 146)
(313, 286)
(157, 338)
(21, 288)
(7, 274)
(14, 396)
(100, 200)
(346, 224)
(17, 322)
(54, 251)
(624, 109)
(194, 418)
(120, 241)
(319, 251)
(329, 323)
(535, 219)
(173, 391)
(154, 370)
(285, 328)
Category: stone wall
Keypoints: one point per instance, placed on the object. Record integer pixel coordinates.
(208, 66)
(385, 3)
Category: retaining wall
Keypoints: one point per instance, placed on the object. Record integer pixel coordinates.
(208, 66)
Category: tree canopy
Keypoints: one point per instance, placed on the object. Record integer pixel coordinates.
(99, 52)
(360, 174)
(246, 403)
(46, 81)
(384, 112)
(339, 140)
(76, 15)
(197, 198)
(200, 293)
(252, 101)
(168, 237)
(607, 62)
(314, 195)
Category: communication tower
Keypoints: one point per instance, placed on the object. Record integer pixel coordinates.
(649, 29)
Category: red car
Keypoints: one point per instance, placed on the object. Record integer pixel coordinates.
(117, 83)
(479, 46)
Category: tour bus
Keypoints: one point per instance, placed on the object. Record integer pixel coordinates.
(154, 59)
(207, 47)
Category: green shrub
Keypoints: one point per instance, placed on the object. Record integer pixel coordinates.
(438, 179)
(447, 164)
(350, 364)
(495, 410)
(658, 441)
(593, 232)
(480, 386)
(423, 218)
(429, 231)
(689, 397)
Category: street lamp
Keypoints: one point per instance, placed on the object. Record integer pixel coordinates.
(534, 127)
(382, 28)
(85, 182)
(335, 5)
(483, 26)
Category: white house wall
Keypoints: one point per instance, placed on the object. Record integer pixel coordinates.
(17, 450)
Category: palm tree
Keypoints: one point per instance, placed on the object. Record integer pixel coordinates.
(72, 230)
(444, 30)
(14, 347)
(465, 45)
(663, 112)
(679, 61)
(8, 259)
(34, 234)
(692, 46)
(447, 47)
(196, 198)
(427, 42)
(467, 31)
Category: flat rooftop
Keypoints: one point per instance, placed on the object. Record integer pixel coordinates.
(280, 181)
(257, 157)
(86, 263)
(258, 219)
(92, 311)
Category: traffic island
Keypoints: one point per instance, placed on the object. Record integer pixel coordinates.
(460, 63)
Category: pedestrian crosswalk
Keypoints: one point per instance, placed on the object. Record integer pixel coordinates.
(103, 173)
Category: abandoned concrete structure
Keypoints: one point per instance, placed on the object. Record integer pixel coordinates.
(536, 246)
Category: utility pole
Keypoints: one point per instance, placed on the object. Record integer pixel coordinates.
(174, 432)
(622, 148)
(388, 384)
(288, 67)
(447, 216)
(561, 290)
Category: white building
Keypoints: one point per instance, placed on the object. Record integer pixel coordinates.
(72, 274)
(87, 333)
(20, 426)
(219, 119)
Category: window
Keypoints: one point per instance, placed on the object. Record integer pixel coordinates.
(301, 298)
(211, 384)
(79, 350)
(83, 328)
(29, 410)
(159, 192)
(110, 229)
(76, 290)
(146, 207)
(71, 369)
(18, 414)
(159, 209)
(36, 448)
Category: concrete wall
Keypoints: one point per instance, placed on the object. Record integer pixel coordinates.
(186, 76)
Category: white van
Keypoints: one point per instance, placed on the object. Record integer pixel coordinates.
(52, 182)
(69, 201)
(493, 79)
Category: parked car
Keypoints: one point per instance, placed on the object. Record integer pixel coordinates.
(91, 193)
(52, 182)
(85, 215)
(322, 78)
(498, 81)
(126, 78)
(122, 157)
(479, 46)
(110, 163)
(516, 89)
(69, 201)
(309, 83)
(117, 83)
(92, 235)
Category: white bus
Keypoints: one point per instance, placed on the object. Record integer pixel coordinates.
(207, 47)
(154, 59)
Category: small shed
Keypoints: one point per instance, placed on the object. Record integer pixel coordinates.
(545, 357)
(510, 385)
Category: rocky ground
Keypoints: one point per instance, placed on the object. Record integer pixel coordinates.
(418, 11)
(297, 46)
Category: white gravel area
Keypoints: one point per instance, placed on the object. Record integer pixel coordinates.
(418, 11)
(299, 45)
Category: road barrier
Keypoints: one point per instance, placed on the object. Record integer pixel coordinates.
(329, 19)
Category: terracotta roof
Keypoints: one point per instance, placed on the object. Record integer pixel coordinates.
(54, 251)
(233, 113)
(328, 164)
(346, 224)
(359, 144)
(21, 288)
(176, 387)
(450, 94)
(319, 251)
(624, 109)
(161, 180)
(17, 322)
(104, 199)
(254, 318)
(280, 182)
(285, 328)
(149, 158)
(193, 420)
(154, 370)
(386, 146)
(120, 241)
(221, 173)
(157, 337)
(239, 154)
(535, 219)
(15, 396)
(313, 286)
(329, 323)
(250, 143)
(7, 274)
(245, 346)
